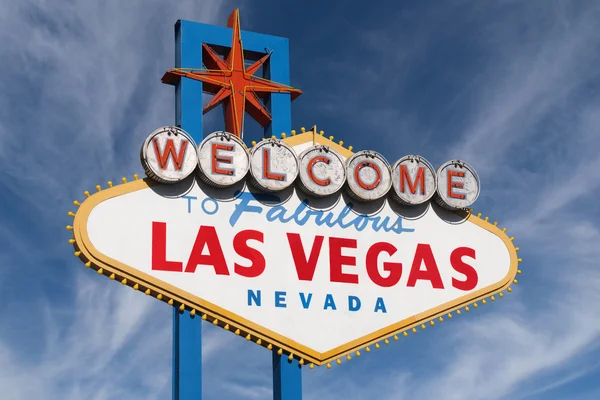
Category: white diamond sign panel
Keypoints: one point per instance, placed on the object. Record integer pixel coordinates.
(317, 277)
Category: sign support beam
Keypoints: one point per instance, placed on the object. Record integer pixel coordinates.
(187, 333)
(287, 375)
(287, 378)
(187, 356)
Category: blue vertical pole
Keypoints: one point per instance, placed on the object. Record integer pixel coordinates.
(187, 334)
(287, 378)
(187, 356)
(287, 375)
(187, 331)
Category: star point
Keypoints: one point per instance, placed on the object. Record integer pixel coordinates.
(232, 83)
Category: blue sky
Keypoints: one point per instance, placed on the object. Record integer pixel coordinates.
(510, 86)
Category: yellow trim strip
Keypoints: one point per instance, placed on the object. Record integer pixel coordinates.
(311, 137)
(173, 296)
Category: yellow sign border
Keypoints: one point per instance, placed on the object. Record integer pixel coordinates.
(138, 280)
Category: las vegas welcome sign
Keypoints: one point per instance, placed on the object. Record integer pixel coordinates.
(297, 244)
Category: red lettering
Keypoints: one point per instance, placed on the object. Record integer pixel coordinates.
(394, 269)
(240, 245)
(305, 268)
(431, 273)
(207, 236)
(337, 260)
(452, 184)
(159, 250)
(218, 158)
(463, 268)
(267, 174)
(311, 164)
(168, 152)
(412, 186)
(362, 184)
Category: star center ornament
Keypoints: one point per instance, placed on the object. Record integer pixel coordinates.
(232, 83)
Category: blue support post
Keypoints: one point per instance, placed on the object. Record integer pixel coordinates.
(187, 334)
(187, 356)
(187, 331)
(287, 378)
(287, 375)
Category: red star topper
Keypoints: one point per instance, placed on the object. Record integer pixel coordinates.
(232, 83)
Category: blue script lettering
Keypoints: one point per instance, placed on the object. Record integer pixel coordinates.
(301, 215)
(244, 205)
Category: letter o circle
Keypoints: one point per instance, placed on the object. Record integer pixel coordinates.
(368, 175)
(215, 206)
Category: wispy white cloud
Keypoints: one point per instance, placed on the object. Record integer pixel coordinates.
(86, 80)
(498, 354)
(532, 133)
(81, 90)
(505, 352)
(93, 347)
(570, 377)
(85, 85)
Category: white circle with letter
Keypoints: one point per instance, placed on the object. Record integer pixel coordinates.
(322, 171)
(458, 185)
(168, 155)
(273, 165)
(223, 159)
(368, 175)
(414, 180)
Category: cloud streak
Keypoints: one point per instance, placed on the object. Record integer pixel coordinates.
(521, 108)
(532, 135)
(83, 90)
